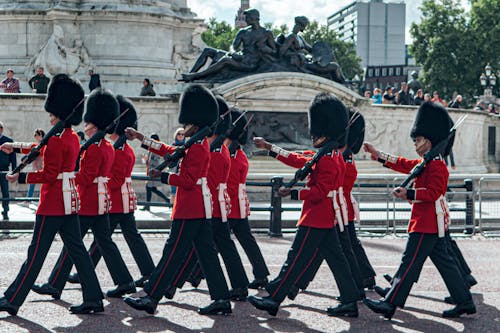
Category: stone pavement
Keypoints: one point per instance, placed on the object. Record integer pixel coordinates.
(305, 314)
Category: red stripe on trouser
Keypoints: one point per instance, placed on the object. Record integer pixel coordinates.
(183, 267)
(408, 269)
(31, 263)
(169, 258)
(93, 249)
(307, 267)
(60, 267)
(293, 263)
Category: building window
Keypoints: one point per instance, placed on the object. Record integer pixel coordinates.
(391, 71)
(398, 71)
(405, 71)
(370, 72)
(377, 72)
(384, 71)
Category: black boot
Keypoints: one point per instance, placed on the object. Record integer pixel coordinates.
(239, 294)
(140, 282)
(122, 289)
(170, 293)
(388, 278)
(144, 303)
(218, 307)
(381, 291)
(293, 292)
(264, 303)
(74, 278)
(344, 310)
(449, 300)
(385, 308)
(467, 307)
(87, 307)
(369, 283)
(46, 289)
(6, 306)
(258, 283)
(470, 280)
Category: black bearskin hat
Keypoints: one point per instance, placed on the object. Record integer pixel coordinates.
(226, 122)
(65, 94)
(101, 108)
(356, 134)
(198, 106)
(239, 131)
(328, 117)
(432, 122)
(127, 120)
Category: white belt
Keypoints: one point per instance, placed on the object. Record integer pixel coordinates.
(102, 195)
(224, 201)
(70, 195)
(355, 208)
(207, 197)
(243, 200)
(343, 206)
(336, 209)
(443, 215)
(129, 198)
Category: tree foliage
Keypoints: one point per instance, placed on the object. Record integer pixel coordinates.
(453, 46)
(220, 35)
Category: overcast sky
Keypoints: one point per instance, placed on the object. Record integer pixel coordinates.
(283, 11)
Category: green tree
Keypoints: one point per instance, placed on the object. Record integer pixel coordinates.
(219, 35)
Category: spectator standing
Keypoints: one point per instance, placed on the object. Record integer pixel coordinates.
(427, 98)
(37, 164)
(456, 103)
(147, 88)
(377, 96)
(419, 97)
(438, 100)
(81, 135)
(152, 161)
(95, 80)
(179, 140)
(404, 95)
(491, 109)
(368, 94)
(10, 84)
(388, 97)
(39, 82)
(6, 160)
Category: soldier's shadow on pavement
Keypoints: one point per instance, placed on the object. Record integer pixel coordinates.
(25, 324)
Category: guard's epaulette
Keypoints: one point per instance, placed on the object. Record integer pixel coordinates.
(199, 141)
(330, 153)
(218, 150)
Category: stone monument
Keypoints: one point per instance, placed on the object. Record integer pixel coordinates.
(124, 41)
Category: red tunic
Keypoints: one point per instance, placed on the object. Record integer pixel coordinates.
(188, 199)
(351, 173)
(122, 167)
(220, 163)
(96, 161)
(237, 176)
(428, 186)
(317, 210)
(60, 155)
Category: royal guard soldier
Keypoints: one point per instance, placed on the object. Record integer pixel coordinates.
(218, 174)
(240, 207)
(123, 196)
(192, 209)
(91, 180)
(429, 216)
(328, 121)
(58, 206)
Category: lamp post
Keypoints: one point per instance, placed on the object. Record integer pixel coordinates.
(488, 81)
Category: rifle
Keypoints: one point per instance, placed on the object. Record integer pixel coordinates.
(170, 160)
(123, 138)
(98, 136)
(235, 143)
(35, 152)
(431, 154)
(303, 172)
(220, 139)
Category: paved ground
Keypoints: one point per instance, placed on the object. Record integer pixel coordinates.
(305, 314)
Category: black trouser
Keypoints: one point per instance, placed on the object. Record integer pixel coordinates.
(241, 229)
(345, 242)
(418, 248)
(134, 241)
(155, 190)
(99, 225)
(364, 265)
(4, 184)
(307, 242)
(44, 231)
(185, 234)
(226, 247)
(457, 255)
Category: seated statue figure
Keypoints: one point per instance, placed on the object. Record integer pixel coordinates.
(257, 44)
